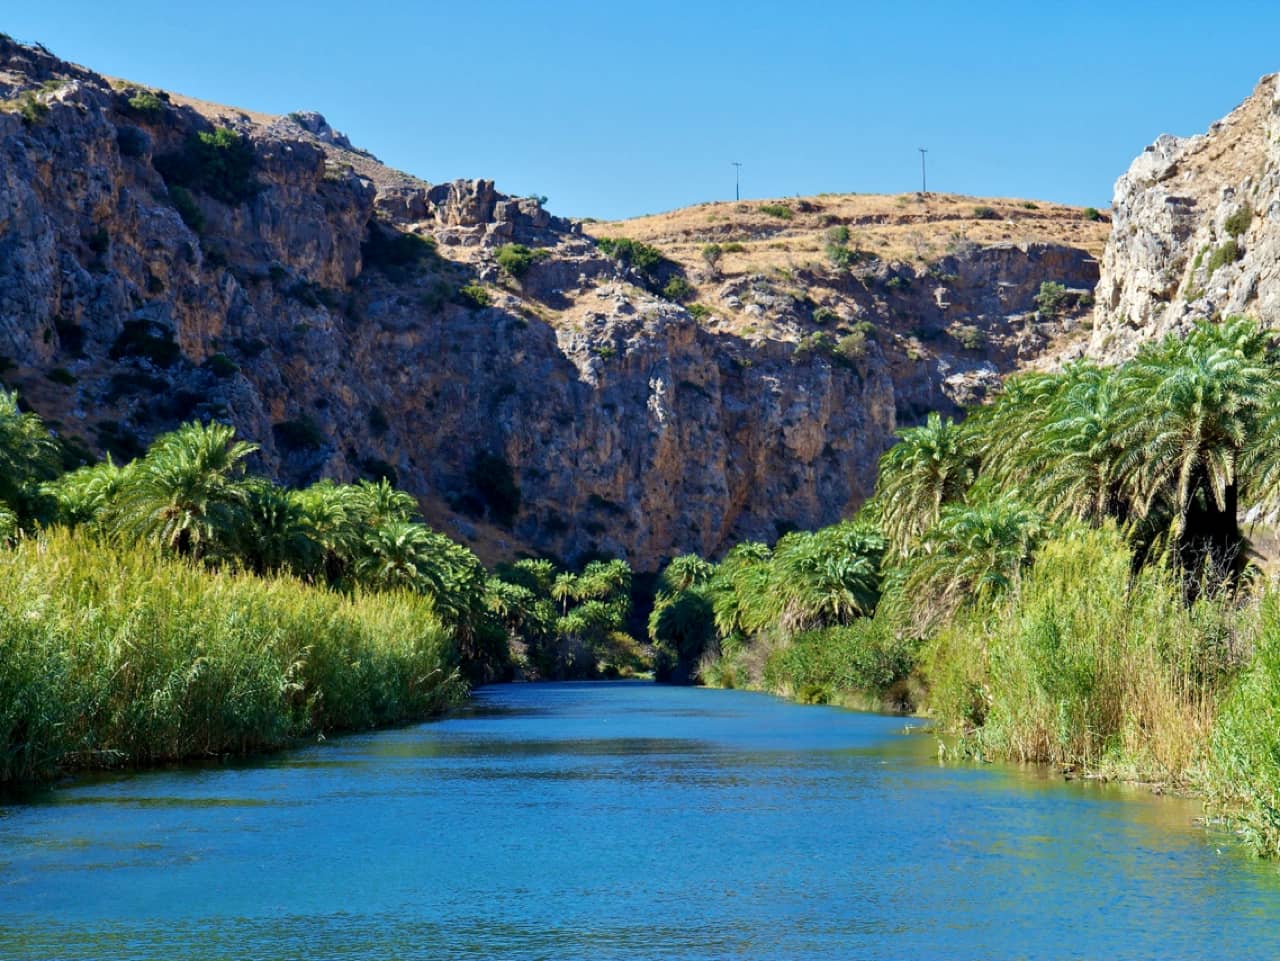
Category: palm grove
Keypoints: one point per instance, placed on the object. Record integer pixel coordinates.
(179, 606)
(1062, 577)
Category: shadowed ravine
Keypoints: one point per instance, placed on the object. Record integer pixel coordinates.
(622, 821)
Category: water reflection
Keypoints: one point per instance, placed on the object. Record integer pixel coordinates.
(622, 821)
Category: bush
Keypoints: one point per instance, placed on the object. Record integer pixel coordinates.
(643, 257)
(220, 365)
(825, 315)
(220, 163)
(1238, 222)
(985, 213)
(853, 347)
(516, 259)
(474, 296)
(677, 290)
(821, 666)
(781, 211)
(698, 311)
(1051, 299)
(147, 105)
(1092, 213)
(712, 254)
(838, 235)
(969, 336)
(387, 248)
(839, 255)
(31, 110)
(1228, 253)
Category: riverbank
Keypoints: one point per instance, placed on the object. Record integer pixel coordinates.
(120, 657)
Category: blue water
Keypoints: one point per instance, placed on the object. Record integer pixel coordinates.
(602, 821)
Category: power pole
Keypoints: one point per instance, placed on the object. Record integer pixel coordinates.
(737, 179)
(924, 183)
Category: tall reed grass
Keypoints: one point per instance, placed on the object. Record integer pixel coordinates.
(1084, 665)
(113, 655)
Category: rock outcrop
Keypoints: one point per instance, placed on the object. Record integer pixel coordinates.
(162, 260)
(1196, 230)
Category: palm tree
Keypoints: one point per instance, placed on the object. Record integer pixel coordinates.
(827, 577)
(188, 494)
(401, 554)
(928, 467)
(278, 533)
(28, 455)
(975, 550)
(87, 495)
(1193, 412)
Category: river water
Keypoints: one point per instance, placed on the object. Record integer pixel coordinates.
(628, 820)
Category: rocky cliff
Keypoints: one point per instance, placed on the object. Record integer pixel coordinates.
(1196, 230)
(162, 259)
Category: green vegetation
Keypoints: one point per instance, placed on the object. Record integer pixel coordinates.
(474, 296)
(219, 163)
(516, 259)
(677, 290)
(146, 105)
(1238, 222)
(712, 254)
(31, 109)
(985, 213)
(177, 606)
(1052, 298)
(1060, 578)
(1092, 214)
(781, 211)
(1228, 253)
(633, 253)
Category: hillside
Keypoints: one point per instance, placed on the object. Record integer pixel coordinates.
(164, 259)
(1197, 230)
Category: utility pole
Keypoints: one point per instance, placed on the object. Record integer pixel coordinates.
(737, 179)
(924, 184)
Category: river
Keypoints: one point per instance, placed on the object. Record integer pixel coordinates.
(622, 821)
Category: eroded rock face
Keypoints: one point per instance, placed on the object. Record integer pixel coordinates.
(329, 312)
(1196, 230)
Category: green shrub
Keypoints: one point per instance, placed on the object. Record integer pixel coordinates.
(387, 248)
(677, 290)
(839, 255)
(898, 282)
(985, 213)
(712, 254)
(734, 248)
(781, 211)
(698, 311)
(969, 336)
(146, 104)
(642, 256)
(474, 296)
(1051, 299)
(838, 234)
(825, 315)
(516, 259)
(1238, 222)
(1228, 253)
(1092, 213)
(821, 666)
(219, 163)
(853, 347)
(222, 366)
(31, 109)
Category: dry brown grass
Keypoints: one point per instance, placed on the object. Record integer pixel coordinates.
(894, 227)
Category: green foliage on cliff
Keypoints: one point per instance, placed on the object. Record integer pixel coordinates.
(220, 163)
(516, 259)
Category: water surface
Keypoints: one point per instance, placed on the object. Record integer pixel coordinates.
(612, 821)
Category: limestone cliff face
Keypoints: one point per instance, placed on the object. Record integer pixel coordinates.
(354, 321)
(1196, 230)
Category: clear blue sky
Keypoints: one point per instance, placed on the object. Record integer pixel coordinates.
(619, 109)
